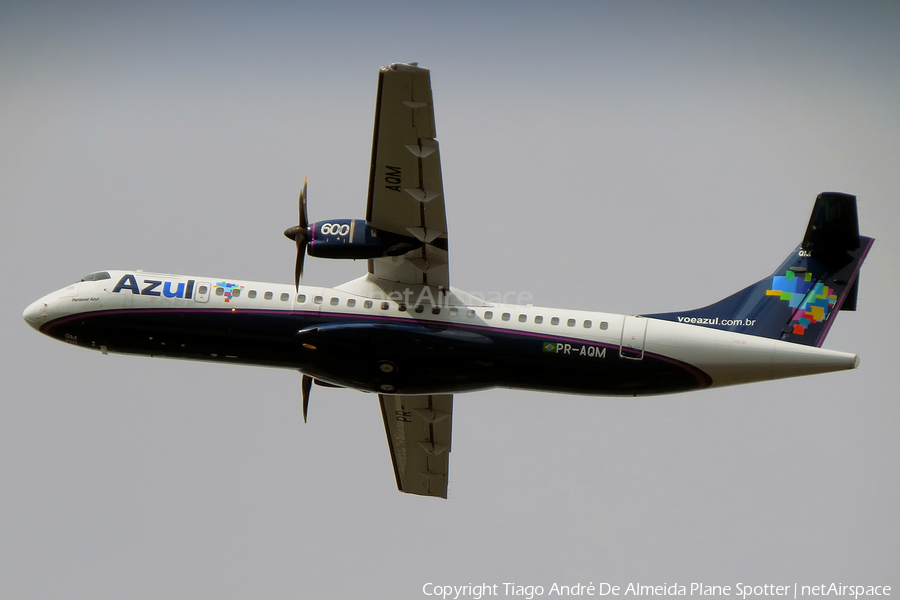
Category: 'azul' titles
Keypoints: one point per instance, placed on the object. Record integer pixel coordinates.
(152, 287)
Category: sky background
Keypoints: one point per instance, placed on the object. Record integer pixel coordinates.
(628, 157)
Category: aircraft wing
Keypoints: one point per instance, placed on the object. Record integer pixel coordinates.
(418, 432)
(406, 192)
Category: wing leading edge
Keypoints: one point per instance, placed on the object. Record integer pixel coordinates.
(418, 432)
(406, 191)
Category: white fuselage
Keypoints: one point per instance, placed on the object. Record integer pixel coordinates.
(575, 341)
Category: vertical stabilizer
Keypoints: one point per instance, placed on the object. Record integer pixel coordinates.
(799, 301)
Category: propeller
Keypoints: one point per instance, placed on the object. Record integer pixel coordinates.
(306, 385)
(300, 235)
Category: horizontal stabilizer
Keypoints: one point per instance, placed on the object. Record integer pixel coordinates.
(834, 225)
(849, 302)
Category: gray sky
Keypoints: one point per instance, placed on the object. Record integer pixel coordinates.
(632, 157)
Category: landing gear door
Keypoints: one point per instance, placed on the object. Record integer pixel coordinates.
(634, 330)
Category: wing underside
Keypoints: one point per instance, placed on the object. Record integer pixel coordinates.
(406, 192)
(406, 197)
(418, 432)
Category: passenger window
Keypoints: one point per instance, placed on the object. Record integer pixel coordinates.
(367, 304)
(202, 290)
(523, 318)
(571, 322)
(436, 310)
(539, 319)
(470, 313)
(554, 321)
(236, 293)
(351, 302)
(318, 299)
(587, 324)
(488, 314)
(420, 308)
(301, 298)
(604, 325)
(385, 305)
(285, 297)
(335, 301)
(401, 307)
(453, 312)
(220, 291)
(269, 295)
(505, 316)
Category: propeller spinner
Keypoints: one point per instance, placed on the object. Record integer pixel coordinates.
(300, 235)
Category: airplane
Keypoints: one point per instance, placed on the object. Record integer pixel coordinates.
(403, 332)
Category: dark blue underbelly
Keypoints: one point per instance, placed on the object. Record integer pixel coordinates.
(378, 354)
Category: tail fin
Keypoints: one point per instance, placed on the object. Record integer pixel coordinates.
(799, 302)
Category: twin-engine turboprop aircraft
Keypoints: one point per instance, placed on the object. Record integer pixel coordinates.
(403, 332)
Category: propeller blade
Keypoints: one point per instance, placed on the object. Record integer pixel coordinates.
(300, 234)
(298, 265)
(304, 219)
(306, 385)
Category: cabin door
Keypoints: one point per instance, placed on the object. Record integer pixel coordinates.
(634, 330)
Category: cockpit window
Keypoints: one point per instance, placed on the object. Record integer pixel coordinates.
(96, 276)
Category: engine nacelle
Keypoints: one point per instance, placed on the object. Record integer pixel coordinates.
(355, 238)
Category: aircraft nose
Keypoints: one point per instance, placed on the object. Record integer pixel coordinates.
(35, 314)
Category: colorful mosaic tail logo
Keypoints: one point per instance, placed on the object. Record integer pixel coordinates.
(229, 289)
(811, 301)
